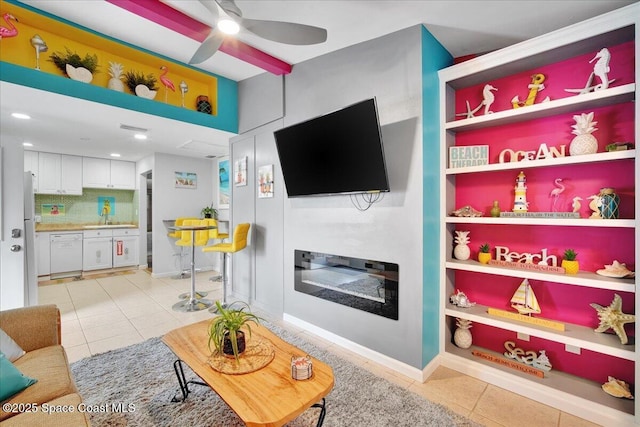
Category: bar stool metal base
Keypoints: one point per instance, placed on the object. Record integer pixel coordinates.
(190, 305)
(183, 275)
(198, 295)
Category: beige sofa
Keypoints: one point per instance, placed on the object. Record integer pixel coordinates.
(37, 331)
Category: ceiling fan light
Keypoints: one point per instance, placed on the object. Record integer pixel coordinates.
(228, 26)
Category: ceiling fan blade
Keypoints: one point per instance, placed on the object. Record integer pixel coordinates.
(230, 8)
(208, 47)
(213, 8)
(285, 32)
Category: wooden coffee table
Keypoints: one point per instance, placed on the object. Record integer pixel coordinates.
(265, 397)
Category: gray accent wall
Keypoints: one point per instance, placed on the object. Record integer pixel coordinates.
(388, 68)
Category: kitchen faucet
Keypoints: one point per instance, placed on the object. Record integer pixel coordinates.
(105, 214)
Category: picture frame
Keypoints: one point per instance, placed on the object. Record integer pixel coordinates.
(186, 180)
(240, 172)
(224, 190)
(265, 181)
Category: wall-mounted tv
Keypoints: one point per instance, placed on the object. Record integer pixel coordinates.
(339, 152)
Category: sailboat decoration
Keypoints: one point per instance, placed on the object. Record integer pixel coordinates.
(524, 300)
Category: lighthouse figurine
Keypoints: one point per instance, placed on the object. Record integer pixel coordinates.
(520, 203)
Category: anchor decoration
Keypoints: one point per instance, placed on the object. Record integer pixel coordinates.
(535, 86)
(487, 99)
(600, 70)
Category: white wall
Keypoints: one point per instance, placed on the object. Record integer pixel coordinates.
(170, 202)
(12, 290)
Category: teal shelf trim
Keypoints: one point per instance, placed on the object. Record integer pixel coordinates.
(227, 118)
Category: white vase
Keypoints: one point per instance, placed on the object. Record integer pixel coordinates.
(80, 74)
(144, 92)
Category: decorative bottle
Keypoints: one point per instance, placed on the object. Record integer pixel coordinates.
(495, 210)
(609, 203)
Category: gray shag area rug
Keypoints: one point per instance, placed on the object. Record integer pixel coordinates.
(133, 386)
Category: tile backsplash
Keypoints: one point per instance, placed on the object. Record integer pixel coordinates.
(85, 209)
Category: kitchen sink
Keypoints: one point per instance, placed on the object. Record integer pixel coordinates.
(110, 226)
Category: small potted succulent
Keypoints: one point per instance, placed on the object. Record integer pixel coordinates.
(209, 212)
(484, 256)
(569, 262)
(227, 329)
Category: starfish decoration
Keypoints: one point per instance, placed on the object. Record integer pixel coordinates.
(612, 317)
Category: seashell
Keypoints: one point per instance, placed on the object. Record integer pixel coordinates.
(616, 269)
(617, 388)
(466, 211)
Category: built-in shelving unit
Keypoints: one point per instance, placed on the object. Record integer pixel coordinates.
(567, 388)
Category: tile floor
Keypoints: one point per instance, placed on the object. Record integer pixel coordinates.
(105, 313)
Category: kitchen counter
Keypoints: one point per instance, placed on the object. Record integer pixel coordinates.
(81, 227)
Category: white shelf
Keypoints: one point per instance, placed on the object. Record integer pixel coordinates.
(556, 161)
(574, 335)
(553, 382)
(613, 95)
(569, 393)
(562, 222)
(583, 278)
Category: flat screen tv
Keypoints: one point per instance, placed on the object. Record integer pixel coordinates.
(339, 152)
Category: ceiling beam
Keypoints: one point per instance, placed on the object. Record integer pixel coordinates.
(163, 14)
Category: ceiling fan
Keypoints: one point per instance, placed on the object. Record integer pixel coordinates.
(278, 31)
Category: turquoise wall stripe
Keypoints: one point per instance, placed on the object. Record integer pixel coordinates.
(434, 58)
(227, 118)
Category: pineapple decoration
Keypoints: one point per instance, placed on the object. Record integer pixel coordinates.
(584, 142)
(462, 336)
(115, 82)
(461, 251)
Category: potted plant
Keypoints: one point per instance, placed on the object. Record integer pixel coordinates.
(141, 85)
(75, 67)
(209, 212)
(484, 256)
(569, 262)
(227, 329)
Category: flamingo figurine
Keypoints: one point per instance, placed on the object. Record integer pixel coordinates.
(168, 84)
(555, 193)
(10, 30)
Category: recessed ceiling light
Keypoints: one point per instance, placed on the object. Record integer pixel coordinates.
(27, 144)
(140, 136)
(115, 155)
(228, 26)
(20, 116)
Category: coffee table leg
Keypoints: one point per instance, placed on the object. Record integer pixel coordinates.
(323, 411)
(182, 381)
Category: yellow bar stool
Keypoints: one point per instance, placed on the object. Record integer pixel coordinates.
(177, 234)
(201, 239)
(214, 234)
(238, 243)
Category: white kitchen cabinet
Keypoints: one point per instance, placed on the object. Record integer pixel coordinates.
(43, 253)
(96, 250)
(59, 174)
(31, 165)
(125, 247)
(105, 173)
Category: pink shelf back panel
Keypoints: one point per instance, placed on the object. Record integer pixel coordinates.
(570, 74)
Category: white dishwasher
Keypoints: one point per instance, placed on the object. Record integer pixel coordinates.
(96, 253)
(66, 254)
